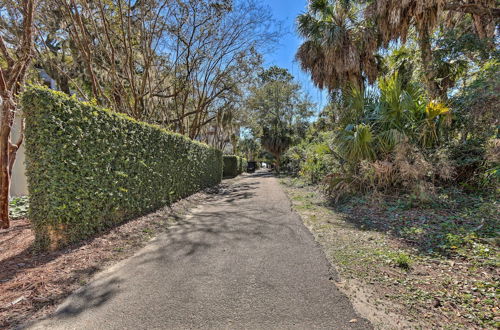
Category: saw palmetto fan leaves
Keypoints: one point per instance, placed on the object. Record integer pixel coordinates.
(356, 143)
(399, 107)
(395, 115)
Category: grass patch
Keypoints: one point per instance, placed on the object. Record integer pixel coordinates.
(401, 259)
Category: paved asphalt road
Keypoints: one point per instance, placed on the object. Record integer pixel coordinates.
(241, 260)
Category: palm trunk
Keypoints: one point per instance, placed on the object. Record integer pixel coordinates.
(435, 91)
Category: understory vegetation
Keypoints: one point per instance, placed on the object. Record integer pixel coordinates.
(414, 101)
(432, 266)
(397, 133)
(394, 140)
(408, 145)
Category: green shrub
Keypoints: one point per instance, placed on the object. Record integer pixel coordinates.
(234, 165)
(312, 159)
(243, 165)
(318, 162)
(231, 166)
(89, 168)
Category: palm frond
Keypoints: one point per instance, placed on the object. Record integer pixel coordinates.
(389, 139)
(356, 143)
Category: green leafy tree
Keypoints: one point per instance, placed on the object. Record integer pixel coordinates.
(280, 110)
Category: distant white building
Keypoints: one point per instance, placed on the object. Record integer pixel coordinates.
(47, 80)
(19, 183)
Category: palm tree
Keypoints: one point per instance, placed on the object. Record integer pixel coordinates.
(342, 37)
(276, 140)
(395, 19)
(338, 47)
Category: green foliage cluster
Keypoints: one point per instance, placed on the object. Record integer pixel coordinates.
(18, 207)
(312, 159)
(243, 165)
(477, 153)
(397, 139)
(89, 168)
(379, 141)
(414, 115)
(234, 165)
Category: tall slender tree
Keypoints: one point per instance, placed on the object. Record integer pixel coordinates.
(16, 52)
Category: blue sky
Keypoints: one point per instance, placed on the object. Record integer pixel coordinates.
(287, 11)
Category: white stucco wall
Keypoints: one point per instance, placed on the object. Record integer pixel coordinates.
(19, 184)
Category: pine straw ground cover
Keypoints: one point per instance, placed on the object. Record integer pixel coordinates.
(410, 267)
(33, 284)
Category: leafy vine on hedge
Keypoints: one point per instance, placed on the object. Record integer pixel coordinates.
(90, 168)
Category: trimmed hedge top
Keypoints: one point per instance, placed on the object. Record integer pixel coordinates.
(89, 168)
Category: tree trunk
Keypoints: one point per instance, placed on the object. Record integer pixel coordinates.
(5, 129)
(433, 88)
(278, 162)
(12, 76)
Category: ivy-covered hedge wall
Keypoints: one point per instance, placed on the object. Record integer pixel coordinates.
(243, 165)
(234, 165)
(231, 166)
(89, 168)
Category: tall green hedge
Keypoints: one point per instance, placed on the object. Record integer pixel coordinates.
(234, 165)
(231, 166)
(243, 165)
(89, 168)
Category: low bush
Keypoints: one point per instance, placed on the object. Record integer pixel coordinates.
(406, 170)
(89, 168)
(312, 160)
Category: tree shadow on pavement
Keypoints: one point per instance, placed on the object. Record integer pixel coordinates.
(233, 217)
(91, 296)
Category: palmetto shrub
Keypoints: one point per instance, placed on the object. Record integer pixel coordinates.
(394, 142)
(406, 169)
